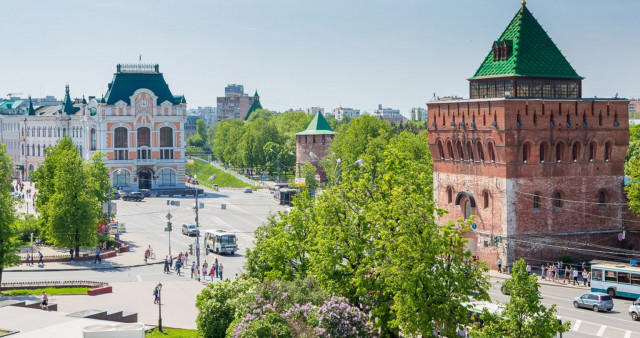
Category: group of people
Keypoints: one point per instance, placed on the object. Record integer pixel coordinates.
(553, 273)
(30, 258)
(215, 270)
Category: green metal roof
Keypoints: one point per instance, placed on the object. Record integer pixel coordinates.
(533, 55)
(125, 83)
(318, 126)
(254, 106)
(31, 110)
(67, 105)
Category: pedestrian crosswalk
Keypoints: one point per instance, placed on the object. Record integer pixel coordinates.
(599, 330)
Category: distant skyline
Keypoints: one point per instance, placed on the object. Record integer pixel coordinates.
(300, 54)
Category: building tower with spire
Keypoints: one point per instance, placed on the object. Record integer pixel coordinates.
(312, 144)
(538, 167)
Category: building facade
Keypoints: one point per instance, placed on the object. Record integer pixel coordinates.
(235, 104)
(388, 114)
(341, 113)
(138, 124)
(538, 166)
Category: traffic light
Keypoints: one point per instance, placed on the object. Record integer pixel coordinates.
(191, 249)
(169, 226)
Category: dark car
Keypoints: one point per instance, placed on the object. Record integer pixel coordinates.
(116, 195)
(145, 192)
(133, 196)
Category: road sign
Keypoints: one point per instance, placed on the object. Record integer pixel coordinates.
(190, 162)
(223, 206)
(474, 226)
(620, 236)
(300, 182)
(166, 229)
(201, 206)
(169, 216)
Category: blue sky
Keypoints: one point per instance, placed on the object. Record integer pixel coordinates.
(300, 53)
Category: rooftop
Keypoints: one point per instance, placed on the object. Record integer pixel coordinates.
(318, 126)
(131, 77)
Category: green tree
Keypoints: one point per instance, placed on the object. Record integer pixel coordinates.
(70, 197)
(195, 140)
(9, 244)
(201, 129)
(309, 175)
(251, 147)
(633, 188)
(524, 314)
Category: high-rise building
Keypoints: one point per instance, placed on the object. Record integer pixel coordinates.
(389, 114)
(539, 167)
(341, 113)
(235, 104)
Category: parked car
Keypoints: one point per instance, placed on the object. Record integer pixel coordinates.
(133, 196)
(594, 300)
(634, 310)
(145, 192)
(248, 190)
(189, 229)
(16, 195)
(116, 195)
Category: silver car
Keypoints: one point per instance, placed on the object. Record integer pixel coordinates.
(189, 229)
(597, 301)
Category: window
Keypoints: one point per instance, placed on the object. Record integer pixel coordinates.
(596, 274)
(459, 150)
(470, 152)
(492, 153)
(584, 119)
(449, 195)
(559, 152)
(121, 134)
(468, 211)
(167, 177)
(575, 152)
(166, 154)
(525, 152)
(602, 197)
(607, 151)
(536, 201)
(624, 277)
(166, 137)
(616, 123)
(120, 155)
(450, 150)
(93, 140)
(144, 154)
(600, 119)
(535, 118)
(480, 151)
(519, 121)
(121, 179)
(592, 151)
(557, 200)
(485, 199)
(552, 121)
(440, 150)
(635, 279)
(611, 276)
(144, 137)
(543, 152)
(568, 120)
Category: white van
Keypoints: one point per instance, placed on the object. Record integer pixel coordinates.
(220, 242)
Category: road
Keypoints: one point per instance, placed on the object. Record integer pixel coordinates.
(584, 322)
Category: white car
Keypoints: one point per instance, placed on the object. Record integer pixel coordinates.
(634, 310)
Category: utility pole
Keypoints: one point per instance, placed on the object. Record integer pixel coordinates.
(195, 191)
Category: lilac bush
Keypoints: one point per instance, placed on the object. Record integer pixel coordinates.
(336, 318)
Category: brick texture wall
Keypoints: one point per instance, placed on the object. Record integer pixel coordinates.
(317, 144)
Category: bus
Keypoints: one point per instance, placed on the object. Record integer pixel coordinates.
(220, 242)
(616, 279)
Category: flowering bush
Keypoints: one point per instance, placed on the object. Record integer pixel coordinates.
(336, 318)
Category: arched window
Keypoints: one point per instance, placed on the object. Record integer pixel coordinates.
(64, 132)
(459, 150)
(484, 119)
(449, 195)
(584, 120)
(535, 118)
(559, 151)
(568, 120)
(121, 135)
(480, 150)
(592, 151)
(601, 199)
(440, 150)
(543, 152)
(607, 151)
(166, 137)
(575, 152)
(144, 137)
(468, 210)
(450, 150)
(485, 199)
(600, 119)
(492, 152)
(167, 177)
(121, 178)
(552, 121)
(557, 200)
(616, 123)
(470, 152)
(94, 140)
(443, 120)
(536, 201)
(526, 149)
(518, 120)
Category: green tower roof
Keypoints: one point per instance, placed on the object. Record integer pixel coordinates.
(254, 106)
(67, 105)
(31, 110)
(532, 52)
(318, 126)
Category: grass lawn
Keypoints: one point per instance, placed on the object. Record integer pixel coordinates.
(223, 179)
(173, 333)
(49, 291)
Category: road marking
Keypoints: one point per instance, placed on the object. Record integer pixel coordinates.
(601, 331)
(577, 326)
(139, 278)
(627, 334)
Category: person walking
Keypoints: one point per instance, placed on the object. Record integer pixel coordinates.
(146, 256)
(554, 271)
(584, 276)
(70, 255)
(186, 258)
(575, 276)
(220, 269)
(204, 270)
(215, 265)
(542, 272)
(528, 269)
(589, 278)
(45, 301)
(40, 262)
(193, 268)
(28, 259)
(499, 265)
(156, 295)
(98, 259)
(166, 264)
(212, 272)
(178, 266)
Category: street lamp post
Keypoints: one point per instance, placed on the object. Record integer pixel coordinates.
(278, 161)
(358, 162)
(159, 286)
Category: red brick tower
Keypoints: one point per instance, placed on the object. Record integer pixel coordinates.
(540, 167)
(313, 142)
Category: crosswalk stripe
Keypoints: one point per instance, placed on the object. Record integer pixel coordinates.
(139, 278)
(627, 334)
(601, 331)
(576, 327)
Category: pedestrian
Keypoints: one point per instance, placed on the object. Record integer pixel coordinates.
(146, 256)
(186, 258)
(166, 264)
(542, 272)
(212, 272)
(575, 276)
(499, 265)
(193, 268)
(220, 270)
(567, 276)
(584, 265)
(178, 265)
(45, 301)
(28, 259)
(180, 257)
(41, 256)
(71, 255)
(554, 271)
(589, 278)
(528, 269)
(215, 265)
(156, 295)
(98, 259)
(204, 269)
(584, 276)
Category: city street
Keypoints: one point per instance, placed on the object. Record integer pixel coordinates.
(584, 322)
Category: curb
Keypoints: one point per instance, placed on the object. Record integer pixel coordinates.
(88, 268)
(575, 287)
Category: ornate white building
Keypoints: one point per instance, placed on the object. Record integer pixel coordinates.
(138, 124)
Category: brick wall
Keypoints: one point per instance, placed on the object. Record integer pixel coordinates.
(317, 144)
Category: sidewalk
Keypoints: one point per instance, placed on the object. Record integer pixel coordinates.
(580, 285)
